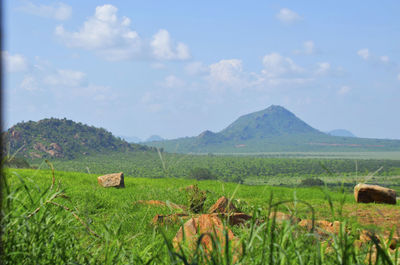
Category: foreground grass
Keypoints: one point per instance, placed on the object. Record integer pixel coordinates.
(77, 221)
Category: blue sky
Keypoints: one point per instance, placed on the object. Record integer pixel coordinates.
(177, 68)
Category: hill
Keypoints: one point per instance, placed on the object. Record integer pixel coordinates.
(341, 132)
(62, 138)
(274, 129)
(154, 138)
(130, 139)
(273, 121)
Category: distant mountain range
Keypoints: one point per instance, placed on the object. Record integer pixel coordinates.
(62, 138)
(274, 129)
(341, 132)
(130, 139)
(154, 138)
(133, 139)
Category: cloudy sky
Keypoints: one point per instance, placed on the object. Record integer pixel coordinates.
(176, 68)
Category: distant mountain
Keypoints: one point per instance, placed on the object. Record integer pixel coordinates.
(131, 139)
(274, 129)
(341, 132)
(154, 138)
(273, 121)
(62, 138)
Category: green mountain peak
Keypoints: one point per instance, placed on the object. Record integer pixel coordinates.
(272, 121)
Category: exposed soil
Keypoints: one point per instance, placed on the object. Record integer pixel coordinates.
(382, 216)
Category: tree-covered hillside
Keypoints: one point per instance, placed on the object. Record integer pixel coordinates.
(273, 121)
(62, 138)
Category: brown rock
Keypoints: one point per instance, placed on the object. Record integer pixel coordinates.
(322, 227)
(169, 219)
(153, 202)
(35, 155)
(223, 205)
(205, 224)
(190, 229)
(365, 237)
(112, 180)
(15, 135)
(40, 147)
(188, 188)
(373, 193)
(56, 147)
(52, 152)
(161, 203)
(281, 217)
(234, 218)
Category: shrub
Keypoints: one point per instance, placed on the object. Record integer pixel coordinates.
(16, 162)
(200, 173)
(196, 199)
(312, 182)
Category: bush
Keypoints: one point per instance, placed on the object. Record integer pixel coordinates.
(16, 162)
(312, 182)
(196, 199)
(200, 173)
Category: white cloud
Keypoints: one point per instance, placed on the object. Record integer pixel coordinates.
(364, 53)
(196, 68)
(277, 71)
(276, 65)
(58, 11)
(163, 47)
(307, 49)
(112, 38)
(287, 16)
(344, 90)
(173, 81)
(66, 78)
(275, 82)
(29, 83)
(323, 68)
(14, 63)
(384, 59)
(158, 65)
(106, 34)
(226, 72)
(149, 100)
(64, 83)
(96, 92)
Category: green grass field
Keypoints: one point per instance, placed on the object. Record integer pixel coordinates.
(39, 232)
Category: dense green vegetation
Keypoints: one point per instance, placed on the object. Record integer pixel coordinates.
(62, 138)
(257, 170)
(284, 143)
(16, 162)
(78, 222)
(274, 129)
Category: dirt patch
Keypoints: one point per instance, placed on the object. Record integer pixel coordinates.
(381, 216)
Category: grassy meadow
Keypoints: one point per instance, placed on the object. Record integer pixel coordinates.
(76, 221)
